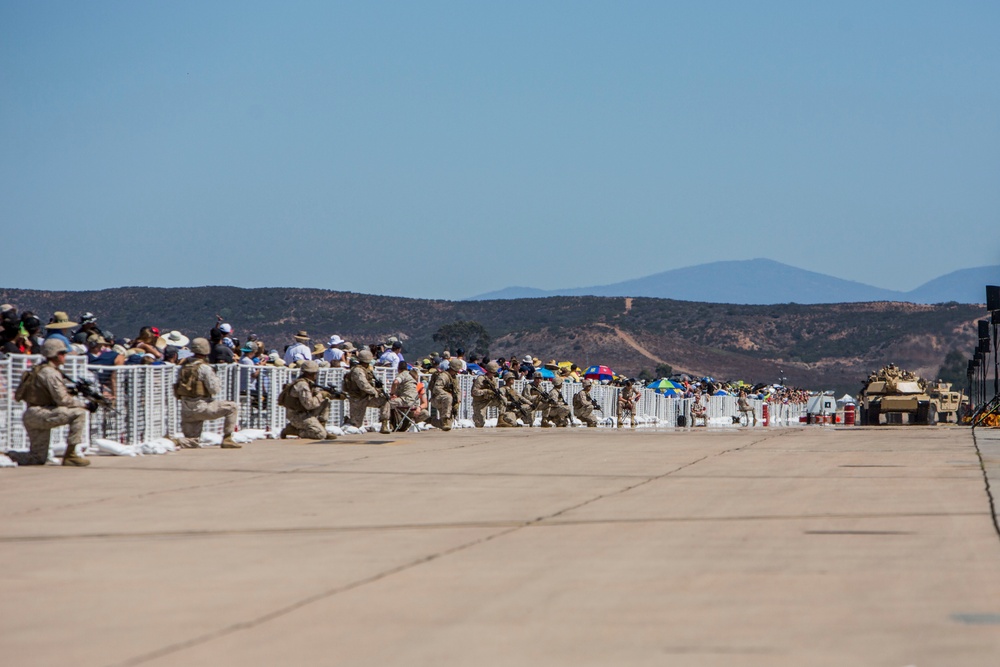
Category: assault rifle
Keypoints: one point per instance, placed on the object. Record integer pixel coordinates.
(597, 406)
(541, 396)
(335, 393)
(377, 381)
(522, 410)
(87, 390)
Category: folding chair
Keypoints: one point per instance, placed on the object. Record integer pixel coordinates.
(401, 419)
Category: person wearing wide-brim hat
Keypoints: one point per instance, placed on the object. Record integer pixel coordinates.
(57, 326)
(176, 339)
(318, 350)
(299, 351)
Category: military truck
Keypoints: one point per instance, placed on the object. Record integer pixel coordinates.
(895, 396)
(947, 401)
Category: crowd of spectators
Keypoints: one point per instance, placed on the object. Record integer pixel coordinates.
(24, 333)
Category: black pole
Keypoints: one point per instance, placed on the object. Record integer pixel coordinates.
(996, 359)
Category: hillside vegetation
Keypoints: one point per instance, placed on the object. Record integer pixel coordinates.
(819, 346)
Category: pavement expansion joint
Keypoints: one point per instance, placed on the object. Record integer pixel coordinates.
(174, 648)
(550, 521)
(299, 604)
(986, 482)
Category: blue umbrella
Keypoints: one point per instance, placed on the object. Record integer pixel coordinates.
(721, 392)
(544, 373)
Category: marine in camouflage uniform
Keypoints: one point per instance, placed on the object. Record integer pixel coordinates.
(404, 395)
(555, 408)
(485, 394)
(307, 406)
(196, 386)
(583, 406)
(628, 401)
(516, 405)
(50, 405)
(533, 391)
(362, 392)
(446, 395)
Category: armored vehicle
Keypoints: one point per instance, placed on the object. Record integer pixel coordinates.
(896, 396)
(947, 401)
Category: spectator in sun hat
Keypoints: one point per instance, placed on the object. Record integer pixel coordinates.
(318, 350)
(176, 339)
(88, 327)
(57, 328)
(333, 354)
(299, 350)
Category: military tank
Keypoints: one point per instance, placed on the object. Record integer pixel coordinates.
(896, 396)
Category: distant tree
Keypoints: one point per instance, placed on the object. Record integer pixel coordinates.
(953, 369)
(646, 375)
(664, 370)
(467, 334)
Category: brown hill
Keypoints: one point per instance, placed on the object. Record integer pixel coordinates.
(817, 346)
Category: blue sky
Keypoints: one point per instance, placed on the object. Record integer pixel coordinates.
(444, 149)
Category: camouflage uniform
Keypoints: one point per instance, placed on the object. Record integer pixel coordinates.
(513, 399)
(555, 408)
(196, 386)
(446, 395)
(405, 397)
(308, 409)
(583, 408)
(484, 395)
(50, 405)
(363, 394)
(628, 400)
(743, 405)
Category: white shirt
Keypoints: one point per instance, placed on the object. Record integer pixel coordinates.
(390, 359)
(334, 355)
(298, 352)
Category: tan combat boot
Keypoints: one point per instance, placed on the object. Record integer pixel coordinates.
(229, 443)
(71, 459)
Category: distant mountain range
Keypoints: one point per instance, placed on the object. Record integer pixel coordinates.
(764, 281)
(828, 346)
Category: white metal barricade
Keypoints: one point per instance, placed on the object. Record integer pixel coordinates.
(11, 370)
(145, 407)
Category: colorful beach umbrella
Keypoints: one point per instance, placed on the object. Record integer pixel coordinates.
(545, 373)
(662, 386)
(599, 373)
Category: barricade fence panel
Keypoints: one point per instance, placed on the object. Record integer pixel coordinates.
(144, 406)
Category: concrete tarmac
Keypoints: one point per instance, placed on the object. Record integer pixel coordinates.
(799, 546)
